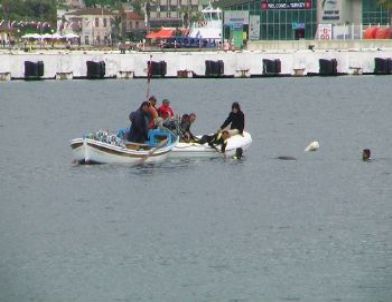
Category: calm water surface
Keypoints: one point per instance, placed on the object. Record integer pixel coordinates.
(261, 229)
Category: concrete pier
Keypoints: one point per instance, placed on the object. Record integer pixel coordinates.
(238, 64)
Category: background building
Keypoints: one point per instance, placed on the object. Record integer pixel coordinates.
(175, 13)
(74, 3)
(280, 19)
(96, 25)
(297, 19)
(133, 26)
(372, 13)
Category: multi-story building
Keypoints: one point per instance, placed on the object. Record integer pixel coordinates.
(171, 13)
(133, 26)
(295, 19)
(96, 25)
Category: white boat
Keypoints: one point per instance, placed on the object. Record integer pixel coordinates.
(210, 27)
(109, 149)
(195, 150)
(78, 149)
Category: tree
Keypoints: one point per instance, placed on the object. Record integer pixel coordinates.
(197, 16)
(36, 10)
(387, 4)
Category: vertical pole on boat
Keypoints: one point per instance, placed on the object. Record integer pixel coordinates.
(149, 73)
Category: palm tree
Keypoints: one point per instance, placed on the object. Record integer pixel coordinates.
(387, 4)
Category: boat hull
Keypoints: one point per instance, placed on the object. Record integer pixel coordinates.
(104, 153)
(91, 151)
(194, 150)
(78, 149)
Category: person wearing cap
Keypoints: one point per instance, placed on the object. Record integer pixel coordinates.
(236, 120)
(165, 111)
(153, 112)
(139, 128)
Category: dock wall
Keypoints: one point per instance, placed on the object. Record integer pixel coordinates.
(236, 64)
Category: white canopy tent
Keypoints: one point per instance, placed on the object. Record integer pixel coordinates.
(57, 36)
(71, 36)
(31, 36)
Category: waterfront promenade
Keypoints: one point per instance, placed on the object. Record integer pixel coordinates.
(297, 58)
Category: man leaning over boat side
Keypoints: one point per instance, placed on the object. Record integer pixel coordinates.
(139, 124)
(236, 120)
(185, 127)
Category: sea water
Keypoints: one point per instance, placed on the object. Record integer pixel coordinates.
(317, 228)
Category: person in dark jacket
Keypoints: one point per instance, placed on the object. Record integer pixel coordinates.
(185, 127)
(236, 120)
(139, 128)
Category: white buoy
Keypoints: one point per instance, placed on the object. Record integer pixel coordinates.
(313, 146)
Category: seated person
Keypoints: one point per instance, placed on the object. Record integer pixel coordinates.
(236, 120)
(217, 139)
(185, 127)
(166, 113)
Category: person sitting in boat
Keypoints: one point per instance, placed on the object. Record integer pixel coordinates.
(216, 140)
(185, 127)
(165, 111)
(236, 120)
(138, 132)
(153, 112)
(167, 114)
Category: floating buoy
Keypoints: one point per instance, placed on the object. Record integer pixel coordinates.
(313, 146)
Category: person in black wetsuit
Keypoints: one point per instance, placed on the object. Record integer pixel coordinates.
(236, 120)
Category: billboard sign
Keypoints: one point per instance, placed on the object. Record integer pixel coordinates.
(236, 16)
(324, 31)
(330, 11)
(291, 4)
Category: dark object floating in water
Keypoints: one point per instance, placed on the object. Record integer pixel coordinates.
(286, 158)
(366, 153)
(238, 153)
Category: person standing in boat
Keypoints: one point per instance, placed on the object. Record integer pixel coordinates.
(153, 112)
(236, 120)
(139, 124)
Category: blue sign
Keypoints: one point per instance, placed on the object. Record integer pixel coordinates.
(237, 26)
(296, 25)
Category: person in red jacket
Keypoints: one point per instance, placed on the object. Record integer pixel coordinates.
(165, 111)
